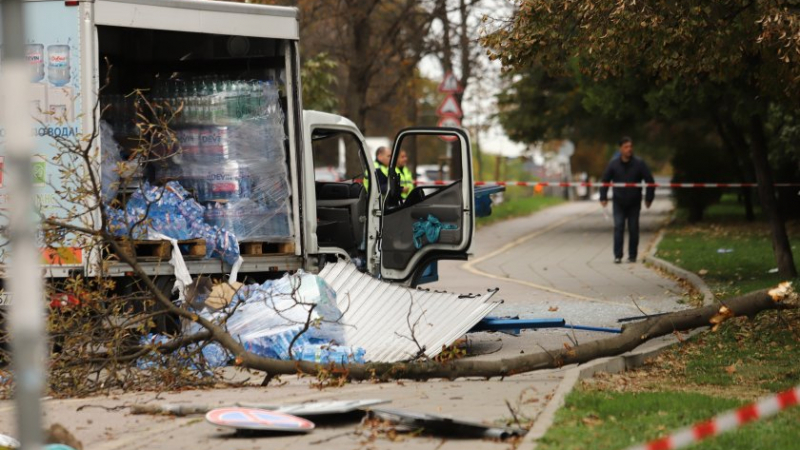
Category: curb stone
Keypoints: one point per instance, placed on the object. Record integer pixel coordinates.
(620, 363)
(690, 277)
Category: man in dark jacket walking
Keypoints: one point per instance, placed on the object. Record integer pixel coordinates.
(627, 168)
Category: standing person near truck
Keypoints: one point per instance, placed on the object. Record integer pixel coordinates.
(627, 200)
(382, 159)
(406, 179)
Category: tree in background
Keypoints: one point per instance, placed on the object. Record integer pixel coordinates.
(732, 57)
(377, 45)
(319, 79)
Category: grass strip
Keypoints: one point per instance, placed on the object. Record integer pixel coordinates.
(517, 206)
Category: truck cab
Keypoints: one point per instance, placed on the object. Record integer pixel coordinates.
(351, 217)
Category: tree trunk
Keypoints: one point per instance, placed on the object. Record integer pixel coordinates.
(736, 156)
(362, 58)
(358, 75)
(769, 204)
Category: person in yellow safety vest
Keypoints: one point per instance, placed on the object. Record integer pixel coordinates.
(406, 179)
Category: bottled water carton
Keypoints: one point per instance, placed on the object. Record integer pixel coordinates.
(337, 354)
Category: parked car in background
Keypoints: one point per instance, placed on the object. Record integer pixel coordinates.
(328, 173)
(428, 173)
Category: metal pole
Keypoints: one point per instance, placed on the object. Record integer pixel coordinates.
(24, 279)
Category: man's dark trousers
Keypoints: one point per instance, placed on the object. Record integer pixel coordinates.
(626, 213)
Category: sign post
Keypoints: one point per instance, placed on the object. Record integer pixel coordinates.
(26, 321)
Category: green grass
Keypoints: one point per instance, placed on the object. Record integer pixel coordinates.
(517, 205)
(602, 420)
(709, 374)
(760, 355)
(746, 265)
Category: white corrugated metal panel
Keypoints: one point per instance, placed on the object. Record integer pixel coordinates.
(392, 322)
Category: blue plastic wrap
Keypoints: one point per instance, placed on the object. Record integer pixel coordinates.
(171, 211)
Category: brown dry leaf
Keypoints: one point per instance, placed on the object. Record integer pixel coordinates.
(553, 308)
(724, 314)
(592, 420)
(702, 272)
(731, 369)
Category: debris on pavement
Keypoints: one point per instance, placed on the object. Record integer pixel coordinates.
(396, 323)
(514, 325)
(339, 316)
(307, 409)
(298, 311)
(444, 425)
(255, 419)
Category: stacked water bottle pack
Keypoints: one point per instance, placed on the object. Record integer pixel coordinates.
(231, 155)
(171, 211)
(228, 152)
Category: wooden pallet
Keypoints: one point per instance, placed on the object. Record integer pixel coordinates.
(265, 248)
(147, 249)
(161, 250)
(193, 248)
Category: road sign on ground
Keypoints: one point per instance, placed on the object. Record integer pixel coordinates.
(257, 419)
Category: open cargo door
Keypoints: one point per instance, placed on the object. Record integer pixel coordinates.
(431, 218)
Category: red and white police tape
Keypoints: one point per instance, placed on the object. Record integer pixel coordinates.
(599, 184)
(766, 407)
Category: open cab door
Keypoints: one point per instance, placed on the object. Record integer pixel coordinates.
(431, 218)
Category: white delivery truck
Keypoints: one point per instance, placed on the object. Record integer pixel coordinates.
(226, 63)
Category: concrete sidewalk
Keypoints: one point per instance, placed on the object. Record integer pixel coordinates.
(556, 263)
(559, 264)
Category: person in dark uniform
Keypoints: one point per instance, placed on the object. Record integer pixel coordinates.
(382, 158)
(627, 168)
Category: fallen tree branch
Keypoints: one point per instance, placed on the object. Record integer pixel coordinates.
(631, 337)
